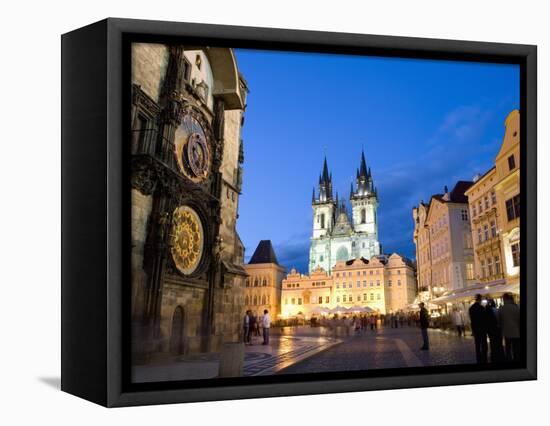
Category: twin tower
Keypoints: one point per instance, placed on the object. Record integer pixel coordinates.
(336, 236)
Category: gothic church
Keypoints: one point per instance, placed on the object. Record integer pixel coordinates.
(336, 235)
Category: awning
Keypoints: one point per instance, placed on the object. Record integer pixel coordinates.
(495, 290)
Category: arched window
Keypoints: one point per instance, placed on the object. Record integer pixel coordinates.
(246, 300)
(263, 300)
(255, 300)
(363, 216)
(256, 282)
(264, 283)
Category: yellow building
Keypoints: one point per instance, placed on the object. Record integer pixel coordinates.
(494, 206)
(442, 236)
(382, 284)
(263, 285)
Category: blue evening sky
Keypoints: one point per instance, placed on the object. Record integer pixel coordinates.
(423, 124)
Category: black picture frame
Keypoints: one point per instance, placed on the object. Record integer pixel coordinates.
(95, 93)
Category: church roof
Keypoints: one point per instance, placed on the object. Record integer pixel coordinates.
(342, 226)
(264, 253)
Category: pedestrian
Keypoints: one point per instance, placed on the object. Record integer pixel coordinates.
(424, 324)
(246, 328)
(373, 322)
(251, 327)
(494, 333)
(509, 321)
(478, 320)
(257, 325)
(266, 324)
(458, 318)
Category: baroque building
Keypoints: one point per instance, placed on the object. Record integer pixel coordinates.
(336, 236)
(263, 284)
(495, 211)
(383, 284)
(187, 276)
(442, 236)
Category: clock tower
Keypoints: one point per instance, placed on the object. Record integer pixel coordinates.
(186, 169)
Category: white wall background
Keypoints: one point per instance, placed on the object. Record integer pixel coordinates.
(30, 210)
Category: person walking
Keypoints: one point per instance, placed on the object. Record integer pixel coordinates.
(458, 318)
(266, 324)
(373, 322)
(509, 321)
(424, 324)
(494, 333)
(478, 320)
(246, 328)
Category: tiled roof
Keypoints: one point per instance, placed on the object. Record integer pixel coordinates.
(264, 253)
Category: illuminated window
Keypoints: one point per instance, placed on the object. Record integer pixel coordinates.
(470, 271)
(489, 266)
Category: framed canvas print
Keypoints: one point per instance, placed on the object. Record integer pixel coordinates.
(253, 212)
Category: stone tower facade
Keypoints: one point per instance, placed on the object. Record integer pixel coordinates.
(186, 171)
(336, 236)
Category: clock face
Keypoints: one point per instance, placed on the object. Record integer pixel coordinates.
(187, 239)
(191, 149)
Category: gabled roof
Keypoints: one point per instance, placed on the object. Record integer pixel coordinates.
(264, 253)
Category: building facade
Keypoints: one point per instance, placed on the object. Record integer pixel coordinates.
(384, 284)
(495, 211)
(442, 235)
(186, 171)
(263, 284)
(336, 236)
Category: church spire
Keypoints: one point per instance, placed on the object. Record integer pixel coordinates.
(363, 168)
(325, 184)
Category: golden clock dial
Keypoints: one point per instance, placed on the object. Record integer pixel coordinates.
(187, 239)
(191, 149)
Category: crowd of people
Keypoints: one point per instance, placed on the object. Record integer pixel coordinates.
(501, 326)
(496, 330)
(256, 325)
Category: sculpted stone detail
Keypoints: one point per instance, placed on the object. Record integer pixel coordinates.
(187, 239)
